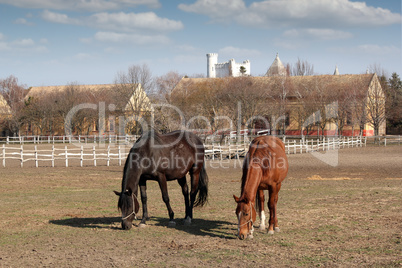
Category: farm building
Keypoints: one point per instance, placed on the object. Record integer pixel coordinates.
(292, 105)
(85, 109)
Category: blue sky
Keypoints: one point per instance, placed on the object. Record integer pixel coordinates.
(57, 42)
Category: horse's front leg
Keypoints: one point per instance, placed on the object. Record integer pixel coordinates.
(165, 196)
(184, 188)
(143, 189)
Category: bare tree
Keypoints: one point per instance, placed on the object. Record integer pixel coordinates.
(376, 107)
(14, 94)
(135, 83)
(301, 68)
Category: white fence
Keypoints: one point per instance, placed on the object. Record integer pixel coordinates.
(66, 155)
(112, 154)
(292, 146)
(82, 139)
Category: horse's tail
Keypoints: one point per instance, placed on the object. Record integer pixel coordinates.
(202, 188)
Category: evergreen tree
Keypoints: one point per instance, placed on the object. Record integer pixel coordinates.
(394, 104)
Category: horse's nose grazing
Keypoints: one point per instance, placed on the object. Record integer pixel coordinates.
(241, 236)
(125, 226)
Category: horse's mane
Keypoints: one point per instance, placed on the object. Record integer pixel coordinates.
(139, 143)
(247, 161)
(147, 136)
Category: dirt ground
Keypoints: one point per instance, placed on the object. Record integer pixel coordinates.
(345, 215)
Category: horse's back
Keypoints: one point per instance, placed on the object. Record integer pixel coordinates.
(269, 152)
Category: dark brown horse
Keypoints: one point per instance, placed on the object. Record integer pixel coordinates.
(264, 168)
(163, 158)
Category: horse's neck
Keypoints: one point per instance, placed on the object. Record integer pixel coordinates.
(252, 182)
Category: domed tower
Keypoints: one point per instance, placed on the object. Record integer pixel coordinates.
(212, 59)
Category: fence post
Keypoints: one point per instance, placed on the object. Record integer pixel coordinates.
(66, 152)
(36, 156)
(119, 156)
(301, 146)
(108, 153)
(385, 141)
(82, 156)
(94, 152)
(22, 155)
(4, 155)
(53, 155)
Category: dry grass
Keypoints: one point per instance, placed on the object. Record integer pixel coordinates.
(347, 216)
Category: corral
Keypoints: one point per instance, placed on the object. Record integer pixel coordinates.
(347, 215)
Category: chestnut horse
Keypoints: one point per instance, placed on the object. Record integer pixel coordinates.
(163, 158)
(264, 168)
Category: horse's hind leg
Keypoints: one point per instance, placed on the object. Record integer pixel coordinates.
(276, 201)
(195, 177)
(272, 207)
(184, 189)
(261, 200)
(163, 185)
(273, 199)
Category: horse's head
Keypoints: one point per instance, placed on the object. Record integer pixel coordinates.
(128, 205)
(246, 216)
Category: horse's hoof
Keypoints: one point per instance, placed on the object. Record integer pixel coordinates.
(142, 225)
(261, 228)
(172, 224)
(271, 232)
(187, 221)
(277, 229)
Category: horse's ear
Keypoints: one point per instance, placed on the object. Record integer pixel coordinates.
(117, 193)
(236, 199)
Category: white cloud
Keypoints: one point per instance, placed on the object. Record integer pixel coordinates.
(23, 43)
(129, 22)
(22, 21)
(119, 22)
(320, 34)
(216, 9)
(131, 38)
(58, 18)
(81, 5)
(295, 13)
